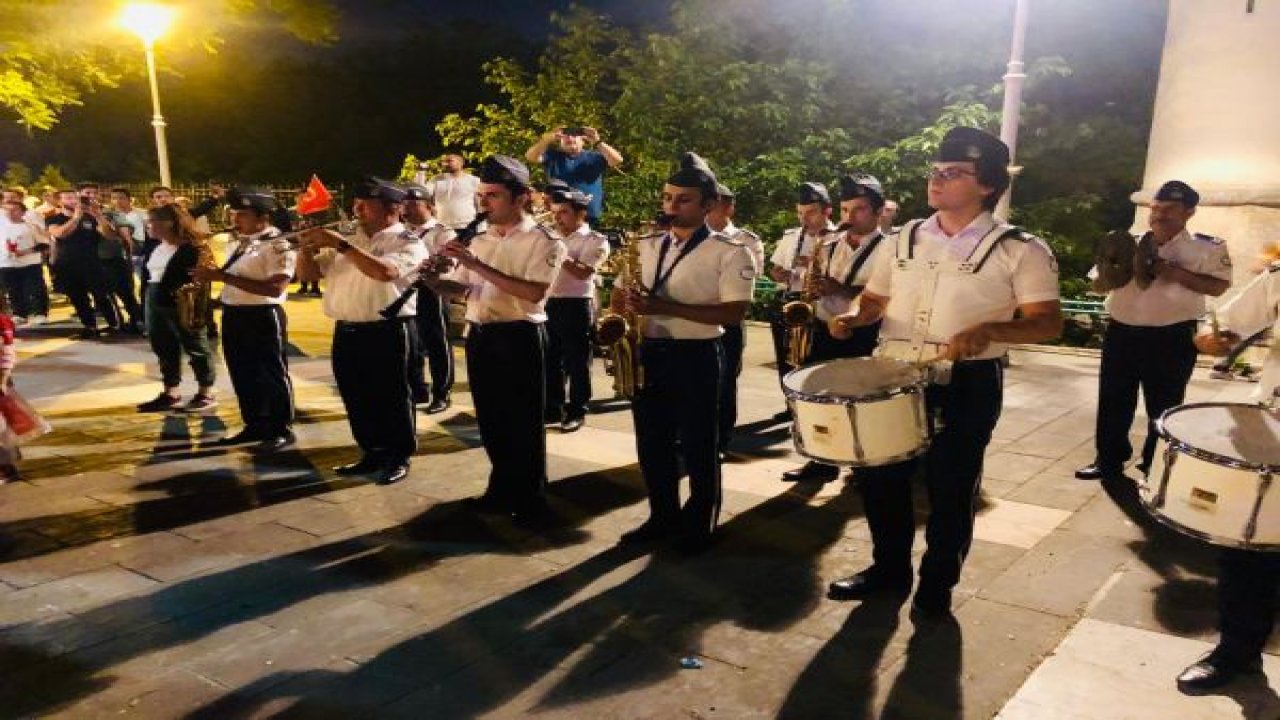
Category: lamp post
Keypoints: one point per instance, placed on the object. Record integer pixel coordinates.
(1012, 111)
(149, 21)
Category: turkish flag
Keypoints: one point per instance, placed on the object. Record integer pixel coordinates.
(315, 198)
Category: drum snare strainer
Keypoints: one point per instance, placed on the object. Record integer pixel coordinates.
(1213, 473)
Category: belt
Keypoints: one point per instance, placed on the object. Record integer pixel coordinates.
(369, 324)
(475, 328)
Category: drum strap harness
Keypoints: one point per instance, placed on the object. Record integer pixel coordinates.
(864, 254)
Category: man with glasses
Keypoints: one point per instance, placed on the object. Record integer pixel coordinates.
(949, 288)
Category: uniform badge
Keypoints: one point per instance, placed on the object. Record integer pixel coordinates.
(551, 259)
(747, 273)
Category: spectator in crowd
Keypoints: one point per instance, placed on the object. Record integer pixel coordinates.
(117, 254)
(454, 192)
(22, 264)
(571, 161)
(76, 230)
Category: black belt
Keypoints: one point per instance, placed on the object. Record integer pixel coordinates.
(369, 324)
(1172, 327)
(492, 328)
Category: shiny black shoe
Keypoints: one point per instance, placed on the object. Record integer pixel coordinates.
(363, 466)
(812, 471)
(572, 424)
(246, 436)
(647, 532)
(1215, 670)
(275, 443)
(439, 404)
(393, 474)
(1097, 471)
(867, 583)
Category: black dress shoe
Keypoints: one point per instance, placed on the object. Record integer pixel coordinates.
(439, 405)
(275, 443)
(572, 424)
(1214, 671)
(393, 474)
(244, 437)
(421, 397)
(649, 531)
(866, 584)
(363, 466)
(812, 471)
(1096, 471)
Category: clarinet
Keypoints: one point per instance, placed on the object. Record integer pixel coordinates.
(464, 236)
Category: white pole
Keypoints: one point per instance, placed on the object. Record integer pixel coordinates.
(1012, 111)
(157, 120)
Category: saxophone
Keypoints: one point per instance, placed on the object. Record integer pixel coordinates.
(193, 299)
(620, 332)
(798, 314)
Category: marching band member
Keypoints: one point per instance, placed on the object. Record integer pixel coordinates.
(570, 310)
(430, 336)
(792, 258)
(950, 284)
(505, 274)
(845, 262)
(697, 282)
(365, 274)
(1149, 340)
(255, 281)
(1247, 581)
(720, 219)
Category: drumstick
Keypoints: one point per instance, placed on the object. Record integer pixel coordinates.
(1213, 323)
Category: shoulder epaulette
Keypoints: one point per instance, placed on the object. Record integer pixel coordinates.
(748, 233)
(727, 239)
(1208, 238)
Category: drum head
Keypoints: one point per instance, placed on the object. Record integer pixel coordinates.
(852, 377)
(1244, 434)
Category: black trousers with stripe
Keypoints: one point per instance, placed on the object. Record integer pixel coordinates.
(254, 338)
(433, 353)
(370, 364)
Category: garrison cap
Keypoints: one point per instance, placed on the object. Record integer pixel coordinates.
(504, 170)
(966, 144)
(861, 185)
(576, 198)
(812, 192)
(724, 192)
(694, 172)
(251, 198)
(374, 188)
(1178, 191)
(418, 191)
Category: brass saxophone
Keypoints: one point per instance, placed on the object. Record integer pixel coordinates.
(620, 332)
(798, 314)
(193, 299)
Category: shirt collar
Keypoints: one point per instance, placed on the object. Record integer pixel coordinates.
(979, 226)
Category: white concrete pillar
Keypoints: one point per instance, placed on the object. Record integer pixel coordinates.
(1217, 120)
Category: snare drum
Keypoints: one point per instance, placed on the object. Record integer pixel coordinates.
(858, 411)
(1213, 472)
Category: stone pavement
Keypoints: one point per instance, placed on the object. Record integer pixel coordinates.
(145, 575)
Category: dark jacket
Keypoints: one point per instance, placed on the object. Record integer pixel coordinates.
(176, 274)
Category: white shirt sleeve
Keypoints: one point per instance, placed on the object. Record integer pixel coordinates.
(543, 264)
(1216, 262)
(737, 275)
(783, 251)
(1035, 276)
(594, 254)
(1254, 308)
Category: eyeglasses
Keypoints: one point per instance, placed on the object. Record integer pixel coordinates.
(947, 174)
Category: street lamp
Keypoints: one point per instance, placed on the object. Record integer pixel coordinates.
(1010, 114)
(149, 21)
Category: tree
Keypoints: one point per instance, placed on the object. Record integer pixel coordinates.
(16, 174)
(54, 52)
(51, 176)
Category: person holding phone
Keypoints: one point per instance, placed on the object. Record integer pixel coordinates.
(580, 158)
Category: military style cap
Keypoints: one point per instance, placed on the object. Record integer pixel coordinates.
(504, 170)
(812, 192)
(577, 198)
(966, 144)
(416, 191)
(694, 172)
(1178, 191)
(724, 192)
(250, 198)
(555, 185)
(861, 185)
(373, 188)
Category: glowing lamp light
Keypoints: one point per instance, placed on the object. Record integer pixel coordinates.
(147, 20)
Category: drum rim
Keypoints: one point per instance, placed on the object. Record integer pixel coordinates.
(907, 389)
(1208, 455)
(1210, 538)
(798, 441)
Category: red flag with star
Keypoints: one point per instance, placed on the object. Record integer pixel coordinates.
(315, 198)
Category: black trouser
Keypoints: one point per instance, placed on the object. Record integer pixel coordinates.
(781, 335)
(732, 344)
(676, 415)
(825, 347)
(418, 390)
(1247, 605)
(253, 346)
(84, 277)
(28, 295)
(117, 273)
(370, 364)
(1157, 359)
(568, 355)
(434, 352)
(169, 340)
(505, 369)
(968, 409)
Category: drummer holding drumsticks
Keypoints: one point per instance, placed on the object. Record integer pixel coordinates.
(949, 288)
(1247, 580)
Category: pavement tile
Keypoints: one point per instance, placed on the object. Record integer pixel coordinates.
(1062, 491)
(1014, 523)
(72, 593)
(1060, 575)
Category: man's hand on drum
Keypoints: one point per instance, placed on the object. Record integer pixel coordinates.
(1219, 343)
(968, 343)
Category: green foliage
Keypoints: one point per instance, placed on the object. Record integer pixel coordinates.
(16, 174)
(50, 176)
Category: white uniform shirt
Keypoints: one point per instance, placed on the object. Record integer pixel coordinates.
(1015, 273)
(589, 248)
(20, 237)
(1166, 302)
(527, 252)
(434, 234)
(718, 270)
(263, 258)
(353, 296)
(751, 240)
(786, 256)
(837, 258)
(455, 198)
(1251, 311)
